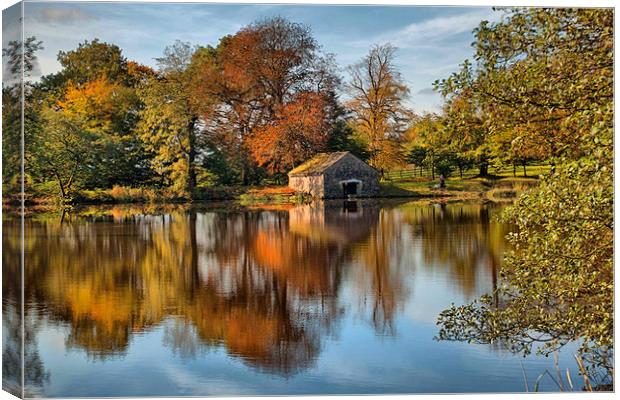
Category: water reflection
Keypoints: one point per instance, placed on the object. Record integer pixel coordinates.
(464, 238)
(18, 331)
(266, 286)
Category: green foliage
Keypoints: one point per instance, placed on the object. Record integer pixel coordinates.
(218, 168)
(12, 109)
(91, 60)
(417, 155)
(168, 123)
(11, 141)
(558, 282)
(66, 153)
(444, 165)
(544, 77)
(343, 138)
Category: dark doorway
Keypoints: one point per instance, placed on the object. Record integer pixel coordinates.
(349, 188)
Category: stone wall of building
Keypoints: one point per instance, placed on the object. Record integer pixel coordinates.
(350, 168)
(308, 184)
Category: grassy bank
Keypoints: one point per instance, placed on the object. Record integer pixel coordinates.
(245, 196)
(487, 188)
(501, 186)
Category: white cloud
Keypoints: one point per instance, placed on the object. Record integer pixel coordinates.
(440, 28)
(62, 15)
(428, 33)
(426, 91)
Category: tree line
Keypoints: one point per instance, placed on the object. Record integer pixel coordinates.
(243, 112)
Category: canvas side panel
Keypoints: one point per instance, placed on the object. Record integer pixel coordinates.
(12, 227)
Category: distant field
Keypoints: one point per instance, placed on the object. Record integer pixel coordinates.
(532, 171)
(498, 186)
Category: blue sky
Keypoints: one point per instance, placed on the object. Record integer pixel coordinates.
(432, 41)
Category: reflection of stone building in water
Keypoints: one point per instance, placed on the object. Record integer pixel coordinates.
(334, 221)
(264, 285)
(304, 259)
(269, 281)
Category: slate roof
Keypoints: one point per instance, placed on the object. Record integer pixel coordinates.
(317, 164)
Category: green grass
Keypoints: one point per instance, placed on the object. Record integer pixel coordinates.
(533, 171)
(500, 185)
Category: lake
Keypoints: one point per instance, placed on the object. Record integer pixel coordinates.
(333, 297)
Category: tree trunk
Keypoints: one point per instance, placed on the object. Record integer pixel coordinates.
(514, 169)
(483, 169)
(63, 190)
(244, 175)
(524, 169)
(191, 159)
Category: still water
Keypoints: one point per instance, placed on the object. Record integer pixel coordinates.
(332, 297)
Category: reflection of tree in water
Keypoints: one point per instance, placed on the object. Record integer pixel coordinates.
(265, 285)
(241, 280)
(461, 237)
(180, 336)
(379, 275)
(11, 349)
(281, 282)
(35, 375)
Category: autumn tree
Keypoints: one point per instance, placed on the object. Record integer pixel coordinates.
(299, 131)
(377, 94)
(252, 81)
(228, 97)
(551, 71)
(109, 109)
(465, 121)
(169, 123)
(97, 87)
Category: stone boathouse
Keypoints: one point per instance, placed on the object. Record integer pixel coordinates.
(335, 175)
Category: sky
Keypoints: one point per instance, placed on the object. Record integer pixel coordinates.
(431, 41)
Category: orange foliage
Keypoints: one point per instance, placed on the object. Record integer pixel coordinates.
(300, 130)
(99, 102)
(288, 257)
(250, 334)
(139, 73)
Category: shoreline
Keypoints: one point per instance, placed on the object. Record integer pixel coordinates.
(479, 190)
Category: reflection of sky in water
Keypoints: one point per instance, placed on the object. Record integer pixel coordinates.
(357, 362)
(358, 313)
